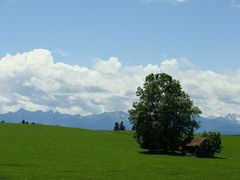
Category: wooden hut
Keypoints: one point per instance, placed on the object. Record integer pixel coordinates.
(194, 144)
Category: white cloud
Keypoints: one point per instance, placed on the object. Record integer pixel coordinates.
(168, 1)
(32, 80)
(61, 53)
(235, 3)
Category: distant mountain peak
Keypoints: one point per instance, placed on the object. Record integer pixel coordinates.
(22, 110)
(51, 111)
(233, 117)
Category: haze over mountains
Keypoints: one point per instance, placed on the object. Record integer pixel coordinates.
(230, 124)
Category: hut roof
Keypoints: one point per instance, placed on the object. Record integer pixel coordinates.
(196, 141)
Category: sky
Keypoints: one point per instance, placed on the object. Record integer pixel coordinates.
(89, 56)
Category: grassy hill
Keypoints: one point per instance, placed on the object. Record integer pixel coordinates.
(44, 152)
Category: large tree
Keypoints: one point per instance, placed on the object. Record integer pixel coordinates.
(164, 116)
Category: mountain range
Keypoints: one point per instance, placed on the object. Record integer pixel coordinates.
(229, 124)
(103, 121)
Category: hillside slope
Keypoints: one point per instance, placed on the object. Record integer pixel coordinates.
(44, 152)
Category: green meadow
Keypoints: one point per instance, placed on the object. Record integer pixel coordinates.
(50, 152)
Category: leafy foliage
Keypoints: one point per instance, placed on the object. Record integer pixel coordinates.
(163, 118)
(211, 145)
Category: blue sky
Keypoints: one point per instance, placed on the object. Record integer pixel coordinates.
(89, 56)
(137, 32)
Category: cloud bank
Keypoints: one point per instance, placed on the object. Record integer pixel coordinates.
(32, 80)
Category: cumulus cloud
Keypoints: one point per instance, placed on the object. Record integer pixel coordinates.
(32, 80)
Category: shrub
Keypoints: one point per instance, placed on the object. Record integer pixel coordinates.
(211, 145)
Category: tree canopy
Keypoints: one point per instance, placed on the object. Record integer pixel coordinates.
(164, 116)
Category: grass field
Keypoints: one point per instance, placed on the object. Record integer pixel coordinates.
(44, 152)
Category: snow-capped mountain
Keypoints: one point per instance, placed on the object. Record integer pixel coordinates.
(233, 117)
(229, 124)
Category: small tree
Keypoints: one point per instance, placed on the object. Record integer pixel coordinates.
(23, 121)
(3, 121)
(211, 145)
(164, 116)
(121, 126)
(116, 126)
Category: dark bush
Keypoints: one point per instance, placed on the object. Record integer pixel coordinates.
(211, 145)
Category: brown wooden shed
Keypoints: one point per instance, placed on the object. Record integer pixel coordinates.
(194, 144)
